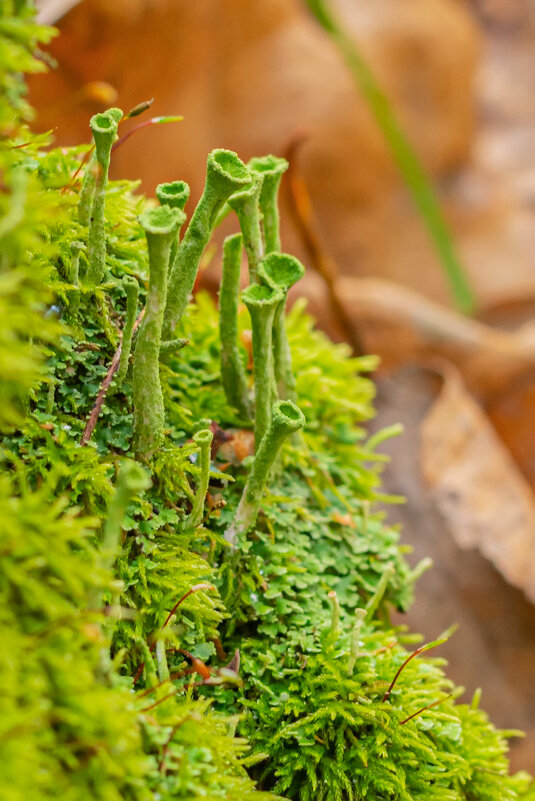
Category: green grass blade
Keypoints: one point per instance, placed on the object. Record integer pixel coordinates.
(406, 158)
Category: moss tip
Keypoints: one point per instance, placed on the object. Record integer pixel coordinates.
(247, 193)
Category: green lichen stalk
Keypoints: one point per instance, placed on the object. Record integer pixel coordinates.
(74, 277)
(131, 288)
(245, 205)
(225, 174)
(354, 642)
(85, 200)
(104, 128)
(280, 271)
(271, 168)
(262, 302)
(232, 368)
(203, 439)
(286, 419)
(176, 195)
(160, 228)
(133, 479)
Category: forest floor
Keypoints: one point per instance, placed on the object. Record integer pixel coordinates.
(494, 647)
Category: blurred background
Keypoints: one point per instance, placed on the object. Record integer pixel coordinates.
(410, 129)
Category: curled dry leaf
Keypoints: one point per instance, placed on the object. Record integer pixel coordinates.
(237, 447)
(476, 485)
(401, 326)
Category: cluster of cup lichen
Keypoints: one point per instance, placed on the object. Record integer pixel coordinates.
(218, 510)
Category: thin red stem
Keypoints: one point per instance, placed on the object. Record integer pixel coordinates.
(195, 588)
(424, 708)
(404, 665)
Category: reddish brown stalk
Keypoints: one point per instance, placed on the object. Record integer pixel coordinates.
(178, 674)
(195, 588)
(220, 651)
(424, 708)
(170, 695)
(322, 262)
(418, 651)
(160, 701)
(138, 673)
(166, 748)
(97, 407)
(140, 126)
(83, 161)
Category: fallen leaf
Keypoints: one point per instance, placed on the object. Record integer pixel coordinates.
(238, 447)
(402, 326)
(476, 485)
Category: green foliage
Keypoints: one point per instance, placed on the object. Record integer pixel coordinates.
(323, 730)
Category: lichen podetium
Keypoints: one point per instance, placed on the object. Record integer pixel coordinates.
(286, 419)
(203, 439)
(225, 174)
(160, 228)
(104, 128)
(133, 479)
(85, 200)
(245, 205)
(271, 169)
(131, 288)
(176, 195)
(262, 302)
(76, 248)
(232, 368)
(281, 271)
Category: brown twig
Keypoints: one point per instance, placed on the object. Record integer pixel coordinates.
(303, 215)
(97, 407)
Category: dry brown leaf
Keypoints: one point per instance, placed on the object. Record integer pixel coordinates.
(476, 485)
(238, 447)
(403, 326)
